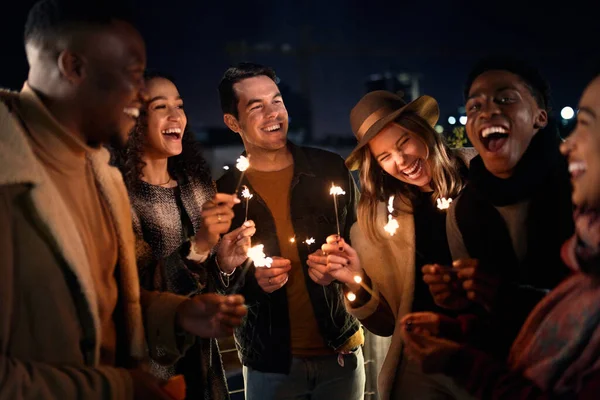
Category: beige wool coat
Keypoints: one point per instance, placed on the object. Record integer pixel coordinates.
(390, 263)
(49, 330)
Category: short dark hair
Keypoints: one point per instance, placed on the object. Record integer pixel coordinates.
(49, 20)
(537, 85)
(227, 96)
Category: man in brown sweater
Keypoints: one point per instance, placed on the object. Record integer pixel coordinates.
(70, 305)
(298, 341)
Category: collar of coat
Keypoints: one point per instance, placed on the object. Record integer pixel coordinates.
(19, 165)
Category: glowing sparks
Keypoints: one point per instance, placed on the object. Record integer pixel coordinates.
(309, 241)
(246, 193)
(336, 190)
(293, 240)
(357, 279)
(392, 225)
(443, 203)
(226, 167)
(390, 206)
(242, 163)
(351, 296)
(258, 256)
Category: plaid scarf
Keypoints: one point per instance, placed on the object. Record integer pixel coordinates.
(559, 344)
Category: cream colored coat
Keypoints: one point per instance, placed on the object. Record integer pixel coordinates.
(390, 263)
(49, 329)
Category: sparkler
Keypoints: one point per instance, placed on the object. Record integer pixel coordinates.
(257, 255)
(336, 191)
(351, 296)
(443, 203)
(392, 224)
(309, 242)
(246, 194)
(242, 165)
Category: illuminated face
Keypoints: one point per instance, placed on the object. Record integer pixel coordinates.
(166, 120)
(582, 149)
(502, 118)
(262, 117)
(403, 155)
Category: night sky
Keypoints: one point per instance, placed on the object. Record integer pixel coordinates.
(349, 41)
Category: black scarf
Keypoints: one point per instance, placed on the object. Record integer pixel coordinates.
(539, 160)
(541, 177)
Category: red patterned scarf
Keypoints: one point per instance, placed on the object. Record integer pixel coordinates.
(559, 344)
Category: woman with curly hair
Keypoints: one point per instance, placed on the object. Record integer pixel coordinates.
(178, 218)
(398, 154)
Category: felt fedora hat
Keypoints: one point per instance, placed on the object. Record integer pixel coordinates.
(377, 109)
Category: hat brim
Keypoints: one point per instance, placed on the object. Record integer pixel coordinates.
(425, 107)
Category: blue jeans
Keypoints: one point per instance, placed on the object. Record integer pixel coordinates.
(314, 378)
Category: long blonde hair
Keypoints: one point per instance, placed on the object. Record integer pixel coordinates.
(376, 186)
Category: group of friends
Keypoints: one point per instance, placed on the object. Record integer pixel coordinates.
(122, 261)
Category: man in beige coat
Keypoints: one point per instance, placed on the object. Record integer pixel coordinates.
(71, 310)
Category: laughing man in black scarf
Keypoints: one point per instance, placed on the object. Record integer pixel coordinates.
(516, 210)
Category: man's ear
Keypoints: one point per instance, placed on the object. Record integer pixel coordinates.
(231, 122)
(71, 65)
(541, 119)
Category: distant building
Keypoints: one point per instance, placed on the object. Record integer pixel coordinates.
(403, 83)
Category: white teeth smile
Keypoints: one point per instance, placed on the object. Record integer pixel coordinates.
(577, 166)
(132, 111)
(413, 169)
(492, 129)
(172, 130)
(272, 128)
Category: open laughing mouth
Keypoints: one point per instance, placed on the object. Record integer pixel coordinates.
(272, 128)
(576, 169)
(414, 170)
(494, 138)
(172, 133)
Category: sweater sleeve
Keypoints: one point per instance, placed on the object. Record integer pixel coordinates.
(488, 379)
(372, 309)
(166, 344)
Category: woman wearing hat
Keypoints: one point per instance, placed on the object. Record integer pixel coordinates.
(398, 154)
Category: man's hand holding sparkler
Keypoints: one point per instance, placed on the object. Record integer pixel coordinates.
(274, 277)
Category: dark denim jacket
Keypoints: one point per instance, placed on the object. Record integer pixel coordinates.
(263, 340)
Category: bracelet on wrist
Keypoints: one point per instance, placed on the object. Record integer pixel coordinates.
(224, 276)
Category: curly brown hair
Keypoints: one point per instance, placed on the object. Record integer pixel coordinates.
(190, 164)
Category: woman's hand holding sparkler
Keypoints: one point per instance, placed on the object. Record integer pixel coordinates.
(335, 260)
(216, 215)
(234, 246)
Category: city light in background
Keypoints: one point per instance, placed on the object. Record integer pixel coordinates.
(567, 113)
